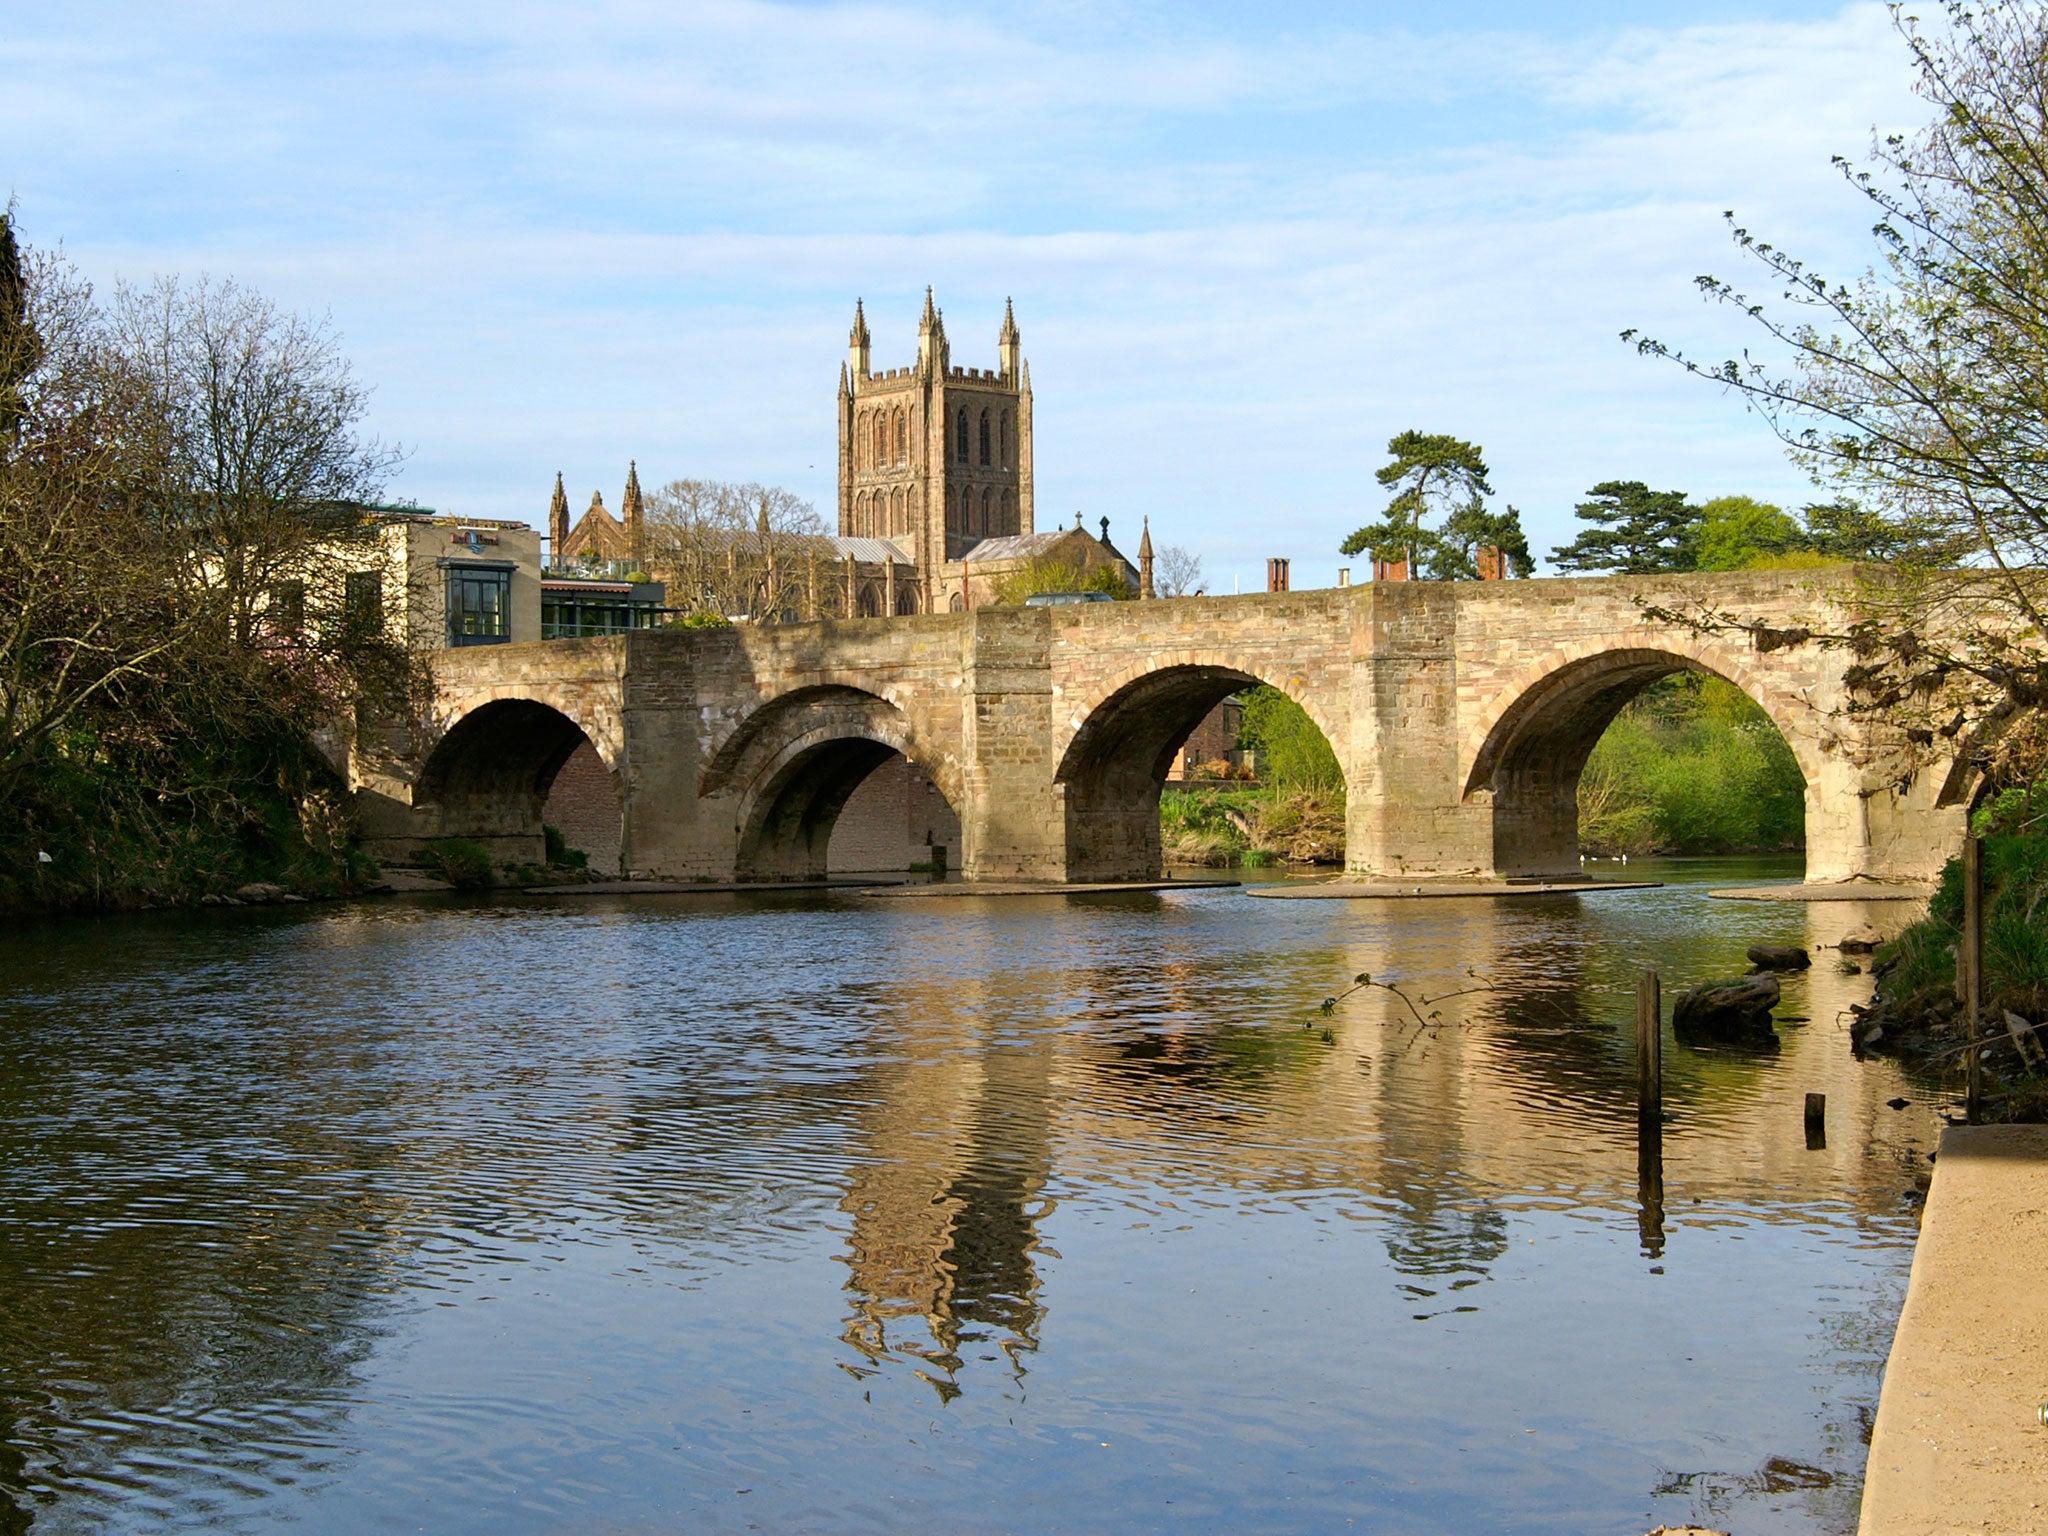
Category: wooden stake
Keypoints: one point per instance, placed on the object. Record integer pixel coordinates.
(1650, 1047)
(1972, 967)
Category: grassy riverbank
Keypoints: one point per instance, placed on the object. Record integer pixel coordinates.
(1916, 1015)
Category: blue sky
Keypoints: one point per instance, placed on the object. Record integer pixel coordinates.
(1246, 244)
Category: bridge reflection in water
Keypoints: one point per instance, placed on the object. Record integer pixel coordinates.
(535, 1214)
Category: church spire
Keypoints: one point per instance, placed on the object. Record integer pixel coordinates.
(1009, 345)
(558, 521)
(1145, 562)
(931, 338)
(634, 514)
(857, 344)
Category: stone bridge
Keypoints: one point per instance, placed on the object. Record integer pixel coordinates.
(1462, 714)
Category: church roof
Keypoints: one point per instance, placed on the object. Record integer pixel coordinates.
(1021, 546)
(866, 551)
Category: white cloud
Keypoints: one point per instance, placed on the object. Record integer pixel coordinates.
(1241, 261)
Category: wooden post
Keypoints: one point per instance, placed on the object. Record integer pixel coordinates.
(1650, 1047)
(1816, 1122)
(1972, 966)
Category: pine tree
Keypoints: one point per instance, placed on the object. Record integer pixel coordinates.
(1636, 532)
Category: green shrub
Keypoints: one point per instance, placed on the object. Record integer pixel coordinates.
(462, 863)
(1293, 751)
(1922, 960)
(560, 855)
(1691, 766)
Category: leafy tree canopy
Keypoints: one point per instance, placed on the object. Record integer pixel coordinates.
(1054, 575)
(1436, 476)
(1740, 533)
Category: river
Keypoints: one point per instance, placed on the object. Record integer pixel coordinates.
(824, 1212)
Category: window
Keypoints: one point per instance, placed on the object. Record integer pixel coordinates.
(902, 439)
(961, 418)
(288, 608)
(988, 510)
(1004, 457)
(362, 605)
(984, 437)
(479, 605)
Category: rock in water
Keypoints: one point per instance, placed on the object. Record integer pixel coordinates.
(1778, 957)
(1860, 940)
(1727, 1010)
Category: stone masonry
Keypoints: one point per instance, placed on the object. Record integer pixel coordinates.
(1462, 714)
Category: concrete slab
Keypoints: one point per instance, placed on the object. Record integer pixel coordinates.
(1841, 890)
(1045, 888)
(1959, 1444)
(407, 881)
(692, 888)
(1410, 890)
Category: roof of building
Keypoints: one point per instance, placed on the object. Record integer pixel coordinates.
(1020, 546)
(866, 551)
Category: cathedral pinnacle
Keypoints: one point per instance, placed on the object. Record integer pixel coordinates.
(558, 520)
(633, 513)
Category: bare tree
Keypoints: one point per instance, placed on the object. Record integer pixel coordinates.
(259, 463)
(740, 551)
(1177, 572)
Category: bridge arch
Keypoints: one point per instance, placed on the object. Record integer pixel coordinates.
(793, 765)
(1115, 764)
(489, 775)
(1536, 733)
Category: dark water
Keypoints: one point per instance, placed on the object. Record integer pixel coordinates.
(713, 1213)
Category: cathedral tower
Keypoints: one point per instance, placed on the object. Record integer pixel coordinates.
(932, 457)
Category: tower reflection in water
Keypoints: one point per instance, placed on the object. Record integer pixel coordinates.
(945, 1201)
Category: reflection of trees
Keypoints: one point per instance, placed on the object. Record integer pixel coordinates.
(1428, 1235)
(181, 1282)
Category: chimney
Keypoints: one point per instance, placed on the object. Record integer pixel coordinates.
(1390, 567)
(1276, 575)
(1343, 575)
(1491, 566)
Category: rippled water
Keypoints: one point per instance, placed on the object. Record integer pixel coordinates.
(718, 1213)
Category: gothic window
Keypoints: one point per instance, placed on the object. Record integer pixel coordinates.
(961, 418)
(953, 523)
(984, 437)
(956, 605)
(870, 600)
(906, 598)
(880, 446)
(1006, 458)
(988, 510)
(899, 517)
(902, 440)
(1010, 524)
